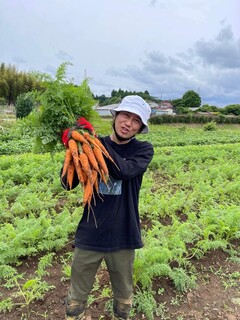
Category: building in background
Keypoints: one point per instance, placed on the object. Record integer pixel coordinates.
(165, 107)
(104, 111)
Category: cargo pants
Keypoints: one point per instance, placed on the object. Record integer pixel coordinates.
(120, 267)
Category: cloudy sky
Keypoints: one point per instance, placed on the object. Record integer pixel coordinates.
(164, 46)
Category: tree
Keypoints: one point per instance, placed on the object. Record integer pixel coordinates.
(191, 99)
(101, 99)
(4, 88)
(208, 108)
(13, 83)
(232, 109)
(113, 93)
(177, 105)
(24, 105)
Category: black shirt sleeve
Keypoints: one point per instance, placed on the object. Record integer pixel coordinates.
(133, 164)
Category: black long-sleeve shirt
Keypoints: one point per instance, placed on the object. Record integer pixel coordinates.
(116, 214)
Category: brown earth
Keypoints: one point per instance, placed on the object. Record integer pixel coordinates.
(216, 297)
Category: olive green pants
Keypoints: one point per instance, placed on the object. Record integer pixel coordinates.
(120, 267)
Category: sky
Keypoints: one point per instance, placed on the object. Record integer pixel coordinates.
(166, 47)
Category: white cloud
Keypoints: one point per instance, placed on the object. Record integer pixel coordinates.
(164, 46)
(222, 52)
(210, 67)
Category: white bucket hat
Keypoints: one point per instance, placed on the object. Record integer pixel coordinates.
(137, 105)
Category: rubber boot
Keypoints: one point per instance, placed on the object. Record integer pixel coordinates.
(121, 310)
(75, 310)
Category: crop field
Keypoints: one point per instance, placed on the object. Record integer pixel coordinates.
(190, 215)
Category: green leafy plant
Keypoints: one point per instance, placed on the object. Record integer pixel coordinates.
(144, 302)
(32, 290)
(59, 106)
(66, 267)
(210, 126)
(6, 305)
(26, 291)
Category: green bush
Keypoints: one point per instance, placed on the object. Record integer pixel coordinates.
(210, 126)
(191, 118)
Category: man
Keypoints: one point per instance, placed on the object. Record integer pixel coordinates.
(118, 231)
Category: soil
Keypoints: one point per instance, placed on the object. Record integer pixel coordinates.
(216, 297)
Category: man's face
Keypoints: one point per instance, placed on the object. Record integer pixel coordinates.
(127, 124)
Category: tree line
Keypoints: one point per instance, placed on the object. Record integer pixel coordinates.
(183, 105)
(14, 82)
(117, 95)
(14, 85)
(189, 98)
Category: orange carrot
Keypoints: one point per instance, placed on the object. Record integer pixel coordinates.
(72, 144)
(89, 138)
(97, 143)
(95, 183)
(100, 159)
(67, 160)
(95, 186)
(104, 177)
(86, 165)
(84, 176)
(104, 150)
(101, 146)
(87, 194)
(91, 157)
(90, 194)
(78, 136)
(70, 174)
(95, 180)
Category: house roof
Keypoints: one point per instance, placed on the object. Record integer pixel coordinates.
(108, 107)
(166, 104)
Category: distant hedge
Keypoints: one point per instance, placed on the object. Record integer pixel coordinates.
(189, 118)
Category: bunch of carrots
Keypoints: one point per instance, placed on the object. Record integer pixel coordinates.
(85, 156)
